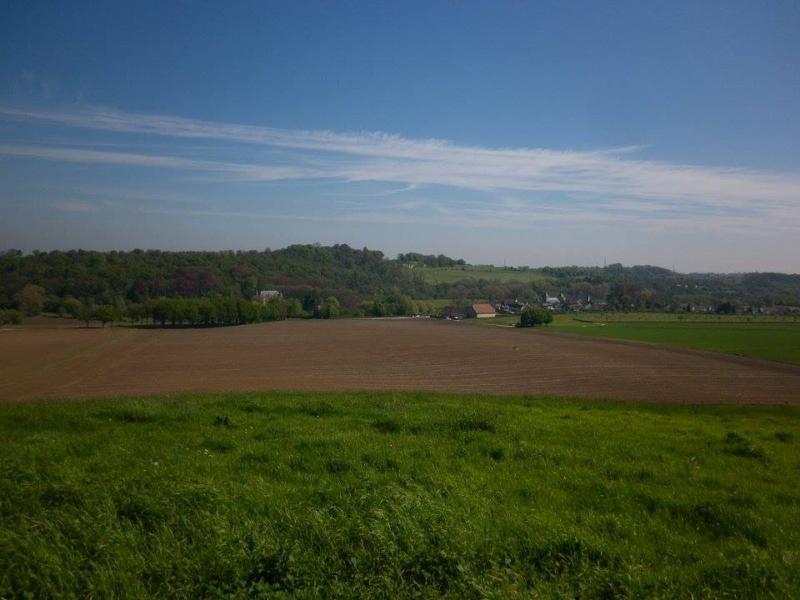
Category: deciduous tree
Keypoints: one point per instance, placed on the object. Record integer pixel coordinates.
(30, 299)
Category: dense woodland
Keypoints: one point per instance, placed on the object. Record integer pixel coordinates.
(217, 287)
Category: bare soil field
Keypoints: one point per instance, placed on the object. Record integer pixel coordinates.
(52, 364)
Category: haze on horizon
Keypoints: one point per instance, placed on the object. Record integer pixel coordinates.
(526, 134)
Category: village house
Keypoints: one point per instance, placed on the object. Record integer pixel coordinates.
(264, 296)
(511, 306)
(481, 311)
(553, 302)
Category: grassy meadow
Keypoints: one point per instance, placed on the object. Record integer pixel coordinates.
(397, 495)
(770, 341)
(767, 338)
(477, 272)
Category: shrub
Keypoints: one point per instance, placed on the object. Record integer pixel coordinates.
(10, 317)
(30, 299)
(531, 317)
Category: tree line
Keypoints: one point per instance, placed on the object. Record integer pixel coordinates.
(343, 281)
(430, 260)
(351, 275)
(193, 312)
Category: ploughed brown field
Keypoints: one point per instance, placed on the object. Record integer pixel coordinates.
(374, 355)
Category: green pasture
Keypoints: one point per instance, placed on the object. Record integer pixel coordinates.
(437, 304)
(676, 317)
(397, 496)
(768, 338)
(470, 272)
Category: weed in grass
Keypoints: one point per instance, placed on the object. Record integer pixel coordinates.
(382, 464)
(138, 511)
(784, 436)
(743, 501)
(535, 454)
(257, 458)
(496, 454)
(707, 518)
(252, 407)
(475, 421)
(524, 493)
(712, 483)
(271, 434)
(739, 579)
(16, 475)
(57, 496)
(461, 452)
(318, 409)
(642, 475)
(270, 573)
(387, 425)
(593, 494)
(129, 415)
(553, 559)
(787, 500)
(711, 520)
(738, 445)
(222, 421)
(298, 464)
(337, 466)
(217, 445)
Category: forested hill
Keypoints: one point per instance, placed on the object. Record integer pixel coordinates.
(349, 274)
(367, 281)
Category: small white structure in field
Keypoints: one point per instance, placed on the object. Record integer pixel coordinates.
(265, 296)
(552, 302)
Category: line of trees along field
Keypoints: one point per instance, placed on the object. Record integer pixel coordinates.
(337, 281)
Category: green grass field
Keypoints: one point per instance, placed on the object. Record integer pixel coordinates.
(436, 303)
(767, 338)
(665, 317)
(770, 341)
(471, 272)
(390, 495)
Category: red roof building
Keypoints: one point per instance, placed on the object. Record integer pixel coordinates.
(481, 311)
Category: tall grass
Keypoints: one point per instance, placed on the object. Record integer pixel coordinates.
(397, 495)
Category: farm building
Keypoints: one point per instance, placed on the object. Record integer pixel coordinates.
(511, 306)
(552, 302)
(264, 296)
(481, 311)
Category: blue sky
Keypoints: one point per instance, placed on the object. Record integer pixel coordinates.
(527, 133)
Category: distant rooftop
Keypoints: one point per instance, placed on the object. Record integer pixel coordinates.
(483, 309)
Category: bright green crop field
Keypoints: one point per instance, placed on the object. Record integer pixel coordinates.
(398, 495)
(469, 272)
(765, 338)
(779, 341)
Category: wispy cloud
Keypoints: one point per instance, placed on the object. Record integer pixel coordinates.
(244, 171)
(76, 206)
(608, 181)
